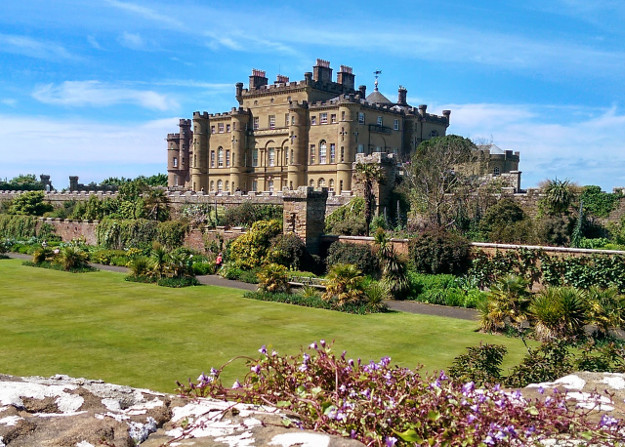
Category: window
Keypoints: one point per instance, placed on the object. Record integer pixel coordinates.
(496, 171)
(333, 118)
(227, 159)
(220, 186)
(434, 133)
(212, 159)
(340, 185)
(272, 121)
(312, 155)
(331, 184)
(227, 188)
(396, 124)
(254, 159)
(271, 156)
(361, 118)
(286, 156)
(221, 127)
(227, 127)
(195, 160)
(292, 161)
(183, 162)
(175, 162)
(343, 115)
(321, 183)
(361, 148)
(212, 129)
(323, 118)
(212, 188)
(342, 153)
(254, 185)
(332, 153)
(286, 119)
(322, 153)
(313, 120)
(379, 121)
(293, 120)
(311, 183)
(256, 123)
(270, 185)
(220, 157)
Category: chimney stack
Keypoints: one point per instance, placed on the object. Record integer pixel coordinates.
(363, 91)
(401, 96)
(345, 77)
(423, 109)
(322, 71)
(258, 79)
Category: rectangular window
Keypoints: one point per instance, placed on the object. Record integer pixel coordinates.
(333, 118)
(323, 118)
(272, 121)
(212, 159)
(361, 148)
(271, 156)
(175, 162)
(312, 155)
(227, 159)
(293, 120)
(396, 124)
(220, 158)
(343, 115)
(379, 120)
(212, 129)
(254, 185)
(332, 153)
(313, 120)
(221, 127)
(361, 118)
(254, 159)
(286, 156)
(228, 128)
(286, 120)
(342, 153)
(256, 123)
(322, 153)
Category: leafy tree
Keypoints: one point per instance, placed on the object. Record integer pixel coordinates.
(597, 202)
(558, 196)
(31, 203)
(23, 182)
(505, 222)
(156, 205)
(274, 278)
(435, 185)
(368, 173)
(250, 249)
(439, 251)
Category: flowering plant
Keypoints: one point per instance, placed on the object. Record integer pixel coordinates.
(385, 405)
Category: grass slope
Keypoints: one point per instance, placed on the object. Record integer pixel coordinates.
(97, 325)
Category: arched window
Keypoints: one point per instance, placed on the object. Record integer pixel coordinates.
(227, 188)
(331, 184)
(322, 152)
(220, 157)
(220, 186)
(311, 183)
(321, 183)
(271, 156)
(227, 158)
(212, 185)
(212, 160)
(270, 185)
(496, 171)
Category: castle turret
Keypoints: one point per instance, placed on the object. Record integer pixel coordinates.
(347, 148)
(199, 164)
(401, 96)
(240, 121)
(298, 135)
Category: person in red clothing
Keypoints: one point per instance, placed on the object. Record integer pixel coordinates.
(219, 261)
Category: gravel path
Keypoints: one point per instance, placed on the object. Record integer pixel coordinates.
(412, 307)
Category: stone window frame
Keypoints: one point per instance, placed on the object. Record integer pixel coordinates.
(323, 118)
(311, 156)
(254, 158)
(496, 171)
(361, 118)
(272, 121)
(313, 120)
(271, 156)
(227, 158)
(256, 123)
(333, 118)
(175, 162)
(212, 159)
(221, 127)
(396, 124)
(220, 157)
(323, 152)
(331, 184)
(332, 153)
(220, 185)
(227, 128)
(380, 120)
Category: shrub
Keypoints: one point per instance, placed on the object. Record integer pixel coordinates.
(177, 282)
(72, 258)
(204, 268)
(17, 227)
(348, 220)
(274, 278)
(506, 305)
(120, 234)
(545, 364)
(559, 313)
(481, 364)
(139, 266)
(384, 405)
(171, 233)
(247, 213)
(288, 250)
(42, 254)
(313, 299)
(31, 203)
(344, 284)
(440, 251)
(250, 249)
(5, 246)
(104, 256)
(357, 254)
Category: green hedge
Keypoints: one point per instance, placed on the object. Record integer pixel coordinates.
(17, 227)
(140, 233)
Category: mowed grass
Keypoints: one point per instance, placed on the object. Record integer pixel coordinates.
(98, 326)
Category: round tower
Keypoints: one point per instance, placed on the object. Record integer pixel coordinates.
(346, 149)
(298, 135)
(240, 120)
(199, 164)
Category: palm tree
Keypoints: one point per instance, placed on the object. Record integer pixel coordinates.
(159, 260)
(345, 284)
(559, 312)
(506, 305)
(368, 173)
(607, 309)
(156, 204)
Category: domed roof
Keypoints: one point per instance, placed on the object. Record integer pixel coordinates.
(378, 98)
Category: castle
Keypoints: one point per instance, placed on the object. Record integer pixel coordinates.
(290, 134)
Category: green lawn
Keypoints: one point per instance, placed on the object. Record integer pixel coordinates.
(97, 325)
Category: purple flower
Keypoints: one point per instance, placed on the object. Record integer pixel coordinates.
(390, 441)
(322, 342)
(468, 387)
(607, 421)
(236, 385)
(540, 390)
(202, 378)
(303, 367)
(313, 345)
(255, 369)
(263, 350)
(471, 418)
(214, 372)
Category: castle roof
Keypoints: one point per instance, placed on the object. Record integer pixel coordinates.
(492, 148)
(378, 98)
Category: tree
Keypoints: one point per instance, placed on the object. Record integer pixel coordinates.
(368, 173)
(558, 196)
(30, 203)
(344, 284)
(435, 185)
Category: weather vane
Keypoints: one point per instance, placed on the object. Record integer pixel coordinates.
(377, 74)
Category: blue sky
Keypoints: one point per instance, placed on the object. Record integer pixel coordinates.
(91, 88)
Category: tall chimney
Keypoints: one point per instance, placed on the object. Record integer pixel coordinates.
(345, 77)
(257, 79)
(363, 91)
(423, 109)
(401, 96)
(239, 92)
(322, 71)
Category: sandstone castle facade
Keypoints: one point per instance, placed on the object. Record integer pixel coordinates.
(291, 134)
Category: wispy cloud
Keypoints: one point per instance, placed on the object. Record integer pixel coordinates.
(133, 41)
(38, 49)
(147, 13)
(95, 93)
(94, 43)
(8, 102)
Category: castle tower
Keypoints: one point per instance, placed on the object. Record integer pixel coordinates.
(199, 164)
(240, 120)
(347, 149)
(298, 135)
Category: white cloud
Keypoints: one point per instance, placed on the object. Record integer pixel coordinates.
(132, 40)
(39, 49)
(88, 149)
(9, 102)
(95, 93)
(586, 146)
(94, 43)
